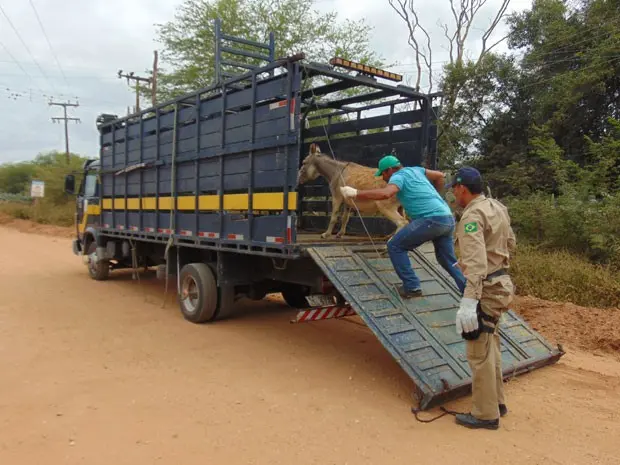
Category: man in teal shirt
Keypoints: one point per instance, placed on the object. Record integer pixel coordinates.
(417, 190)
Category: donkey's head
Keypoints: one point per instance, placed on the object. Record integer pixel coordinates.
(308, 170)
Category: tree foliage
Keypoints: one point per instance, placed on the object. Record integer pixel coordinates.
(189, 39)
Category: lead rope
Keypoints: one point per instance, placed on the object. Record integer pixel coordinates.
(415, 411)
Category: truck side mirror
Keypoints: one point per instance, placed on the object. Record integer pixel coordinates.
(70, 184)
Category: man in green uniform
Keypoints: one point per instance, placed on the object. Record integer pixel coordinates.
(485, 240)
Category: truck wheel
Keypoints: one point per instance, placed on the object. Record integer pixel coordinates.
(97, 269)
(198, 299)
(295, 295)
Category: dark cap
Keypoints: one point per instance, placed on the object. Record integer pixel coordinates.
(468, 177)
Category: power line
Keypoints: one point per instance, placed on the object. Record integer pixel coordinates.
(17, 63)
(25, 46)
(48, 41)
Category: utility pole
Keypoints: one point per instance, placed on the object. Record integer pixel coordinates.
(138, 79)
(64, 118)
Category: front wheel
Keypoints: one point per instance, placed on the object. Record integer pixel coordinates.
(198, 299)
(98, 269)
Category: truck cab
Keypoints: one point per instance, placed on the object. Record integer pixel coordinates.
(87, 208)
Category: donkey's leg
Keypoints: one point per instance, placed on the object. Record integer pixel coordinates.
(336, 203)
(345, 220)
(391, 213)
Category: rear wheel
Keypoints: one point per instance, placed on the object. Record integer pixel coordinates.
(98, 269)
(295, 295)
(198, 299)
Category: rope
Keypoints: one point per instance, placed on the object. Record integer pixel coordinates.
(416, 412)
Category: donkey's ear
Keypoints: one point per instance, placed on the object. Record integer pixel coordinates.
(314, 148)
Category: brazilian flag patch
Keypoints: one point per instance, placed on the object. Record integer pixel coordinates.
(471, 227)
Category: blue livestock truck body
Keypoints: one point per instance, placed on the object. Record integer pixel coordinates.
(204, 187)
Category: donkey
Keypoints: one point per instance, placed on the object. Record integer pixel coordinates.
(338, 174)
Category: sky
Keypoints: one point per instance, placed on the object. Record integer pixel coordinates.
(71, 50)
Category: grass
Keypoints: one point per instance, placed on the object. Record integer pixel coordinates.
(565, 277)
(43, 213)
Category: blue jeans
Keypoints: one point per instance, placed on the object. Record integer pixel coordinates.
(438, 229)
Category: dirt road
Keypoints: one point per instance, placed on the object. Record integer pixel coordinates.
(99, 373)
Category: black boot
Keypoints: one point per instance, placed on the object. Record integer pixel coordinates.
(470, 421)
(503, 410)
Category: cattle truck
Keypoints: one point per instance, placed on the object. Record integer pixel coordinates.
(204, 187)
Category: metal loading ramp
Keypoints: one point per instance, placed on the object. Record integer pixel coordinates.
(420, 333)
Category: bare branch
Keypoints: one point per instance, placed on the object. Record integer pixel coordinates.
(413, 23)
(501, 13)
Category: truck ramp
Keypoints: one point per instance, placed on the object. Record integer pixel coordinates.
(420, 333)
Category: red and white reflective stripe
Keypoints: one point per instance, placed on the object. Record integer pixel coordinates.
(276, 105)
(164, 231)
(151, 230)
(120, 226)
(324, 313)
(133, 228)
(235, 237)
(289, 230)
(210, 235)
(292, 115)
(185, 232)
(275, 240)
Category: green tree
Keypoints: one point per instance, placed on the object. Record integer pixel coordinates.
(189, 40)
(15, 177)
(563, 102)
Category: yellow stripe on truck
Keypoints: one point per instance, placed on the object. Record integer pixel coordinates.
(90, 210)
(234, 202)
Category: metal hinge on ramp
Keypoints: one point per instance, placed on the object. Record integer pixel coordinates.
(420, 333)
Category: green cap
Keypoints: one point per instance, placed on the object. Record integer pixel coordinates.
(387, 162)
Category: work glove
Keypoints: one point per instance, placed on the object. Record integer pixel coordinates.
(348, 192)
(466, 316)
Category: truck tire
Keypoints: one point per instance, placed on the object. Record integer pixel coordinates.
(198, 298)
(295, 295)
(99, 271)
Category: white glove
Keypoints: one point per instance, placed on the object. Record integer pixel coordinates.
(348, 191)
(466, 317)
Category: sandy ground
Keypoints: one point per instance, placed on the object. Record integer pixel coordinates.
(101, 373)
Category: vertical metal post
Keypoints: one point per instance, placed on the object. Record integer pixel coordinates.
(272, 51)
(157, 154)
(173, 172)
(251, 167)
(141, 175)
(289, 101)
(126, 175)
(222, 145)
(197, 171)
(218, 51)
(113, 225)
(425, 130)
